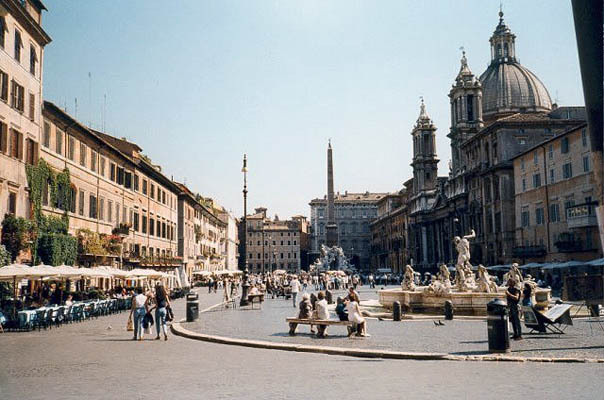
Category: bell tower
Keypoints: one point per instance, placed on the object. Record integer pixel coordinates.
(466, 111)
(425, 163)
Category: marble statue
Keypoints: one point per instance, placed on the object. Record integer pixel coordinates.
(463, 250)
(485, 283)
(441, 283)
(408, 279)
(332, 258)
(514, 273)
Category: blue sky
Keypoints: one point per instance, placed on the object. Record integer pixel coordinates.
(198, 83)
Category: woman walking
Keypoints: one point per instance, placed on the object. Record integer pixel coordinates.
(163, 301)
(140, 307)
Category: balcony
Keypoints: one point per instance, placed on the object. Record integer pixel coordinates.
(582, 216)
(528, 251)
(569, 243)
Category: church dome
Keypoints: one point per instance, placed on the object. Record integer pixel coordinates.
(507, 86)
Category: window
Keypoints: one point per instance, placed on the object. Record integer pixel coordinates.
(144, 186)
(535, 157)
(163, 197)
(584, 137)
(70, 147)
(117, 213)
(72, 199)
(59, 141)
(102, 166)
(3, 30)
(32, 106)
(551, 151)
(565, 145)
(92, 212)
(163, 230)
(567, 171)
(524, 184)
(158, 230)
(525, 217)
(3, 138)
(144, 224)
(30, 151)
(112, 172)
(522, 163)
(151, 227)
(17, 96)
(12, 203)
(93, 158)
(16, 148)
(128, 180)
(33, 59)
(3, 85)
(536, 180)
(81, 203)
(101, 209)
(18, 45)
(470, 99)
(135, 222)
(552, 176)
(539, 216)
(586, 164)
(152, 191)
(120, 175)
(109, 211)
(136, 182)
(83, 151)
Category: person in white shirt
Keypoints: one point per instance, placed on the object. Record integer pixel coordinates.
(295, 286)
(140, 307)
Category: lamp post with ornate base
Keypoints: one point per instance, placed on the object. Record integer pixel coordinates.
(245, 285)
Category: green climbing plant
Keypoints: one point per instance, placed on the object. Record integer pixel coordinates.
(39, 178)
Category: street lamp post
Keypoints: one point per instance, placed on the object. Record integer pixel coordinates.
(245, 284)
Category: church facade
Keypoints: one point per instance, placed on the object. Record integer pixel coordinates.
(494, 118)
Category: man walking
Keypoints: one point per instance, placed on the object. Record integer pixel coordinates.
(512, 295)
(295, 285)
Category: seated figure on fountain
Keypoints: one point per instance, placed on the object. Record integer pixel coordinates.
(408, 279)
(441, 285)
(485, 283)
(514, 273)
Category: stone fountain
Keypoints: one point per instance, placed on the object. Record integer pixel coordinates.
(332, 258)
(468, 292)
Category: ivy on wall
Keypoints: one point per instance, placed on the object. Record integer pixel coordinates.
(50, 241)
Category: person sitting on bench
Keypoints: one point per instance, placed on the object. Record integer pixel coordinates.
(321, 311)
(305, 310)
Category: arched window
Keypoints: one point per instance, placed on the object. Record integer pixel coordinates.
(499, 50)
(505, 50)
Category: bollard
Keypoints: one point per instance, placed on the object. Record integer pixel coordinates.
(192, 307)
(497, 327)
(396, 311)
(329, 296)
(448, 310)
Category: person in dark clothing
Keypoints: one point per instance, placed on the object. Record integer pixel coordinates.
(341, 310)
(527, 294)
(512, 295)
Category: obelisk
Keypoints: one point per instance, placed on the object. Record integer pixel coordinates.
(331, 238)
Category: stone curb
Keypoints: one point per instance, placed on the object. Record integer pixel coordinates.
(178, 330)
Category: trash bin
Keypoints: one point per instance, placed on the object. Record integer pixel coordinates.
(192, 307)
(497, 326)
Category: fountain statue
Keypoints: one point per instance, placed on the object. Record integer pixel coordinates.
(485, 283)
(408, 279)
(332, 258)
(441, 284)
(514, 273)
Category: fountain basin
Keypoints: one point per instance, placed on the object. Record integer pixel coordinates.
(464, 303)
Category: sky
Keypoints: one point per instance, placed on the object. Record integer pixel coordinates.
(196, 84)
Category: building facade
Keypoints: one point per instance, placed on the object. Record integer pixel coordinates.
(389, 251)
(556, 199)
(493, 119)
(354, 213)
(274, 244)
(22, 42)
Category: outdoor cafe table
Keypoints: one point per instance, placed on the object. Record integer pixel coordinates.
(25, 315)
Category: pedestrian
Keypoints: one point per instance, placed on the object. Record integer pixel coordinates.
(356, 316)
(210, 285)
(226, 287)
(140, 307)
(162, 301)
(295, 287)
(527, 295)
(512, 295)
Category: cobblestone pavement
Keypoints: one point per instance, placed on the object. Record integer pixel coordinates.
(89, 361)
(584, 339)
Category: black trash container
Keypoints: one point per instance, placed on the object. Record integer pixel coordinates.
(497, 326)
(192, 307)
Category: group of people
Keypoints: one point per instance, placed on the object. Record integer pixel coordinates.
(513, 295)
(143, 304)
(347, 309)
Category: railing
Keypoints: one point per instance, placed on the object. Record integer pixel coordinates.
(582, 215)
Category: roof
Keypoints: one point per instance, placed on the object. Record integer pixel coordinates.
(353, 197)
(566, 132)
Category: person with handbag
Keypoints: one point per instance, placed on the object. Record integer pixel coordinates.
(140, 306)
(162, 301)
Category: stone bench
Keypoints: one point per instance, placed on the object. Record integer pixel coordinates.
(258, 298)
(322, 325)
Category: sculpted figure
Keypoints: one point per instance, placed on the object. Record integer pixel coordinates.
(514, 273)
(463, 249)
(485, 283)
(441, 284)
(408, 279)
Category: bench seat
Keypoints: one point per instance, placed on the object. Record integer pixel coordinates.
(322, 325)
